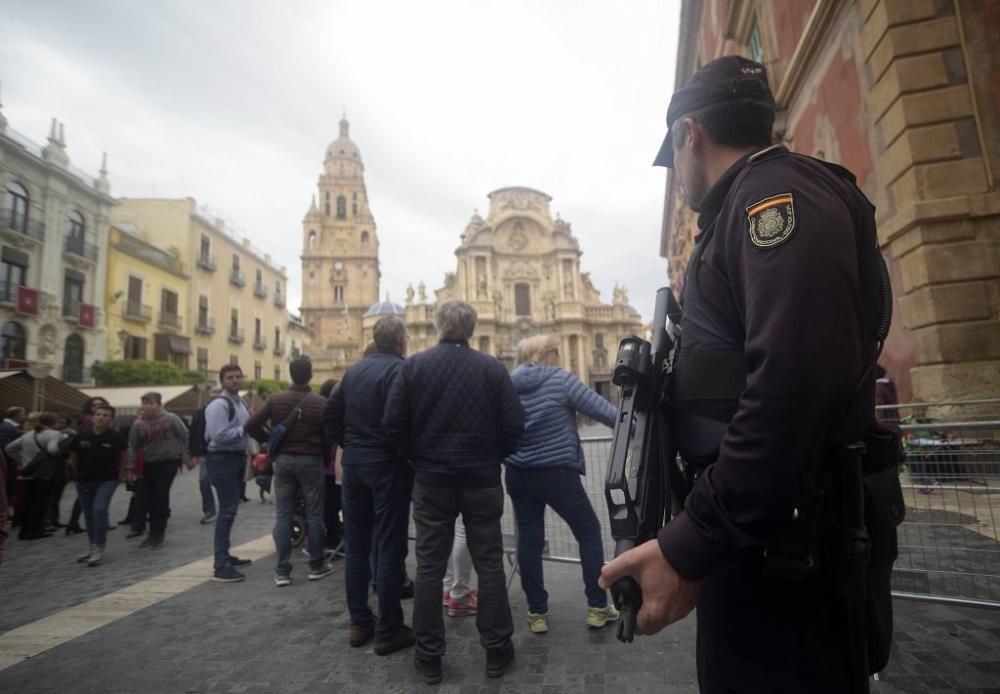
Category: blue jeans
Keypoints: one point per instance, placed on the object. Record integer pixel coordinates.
(95, 497)
(205, 487)
(296, 475)
(530, 491)
(225, 472)
(376, 501)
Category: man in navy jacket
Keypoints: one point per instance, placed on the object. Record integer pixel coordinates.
(454, 413)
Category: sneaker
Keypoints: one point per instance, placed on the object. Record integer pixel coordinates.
(239, 563)
(359, 636)
(538, 623)
(148, 542)
(134, 533)
(156, 542)
(207, 518)
(465, 606)
(282, 580)
(429, 669)
(85, 556)
(228, 574)
(75, 530)
(322, 571)
(96, 556)
(597, 617)
(498, 660)
(403, 638)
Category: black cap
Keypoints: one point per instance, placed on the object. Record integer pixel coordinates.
(723, 79)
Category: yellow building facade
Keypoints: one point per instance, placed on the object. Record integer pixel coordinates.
(147, 290)
(235, 310)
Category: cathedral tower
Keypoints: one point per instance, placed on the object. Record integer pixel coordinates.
(340, 268)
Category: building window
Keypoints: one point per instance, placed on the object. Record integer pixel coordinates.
(312, 239)
(168, 307)
(338, 294)
(354, 204)
(73, 359)
(257, 371)
(13, 343)
(364, 239)
(15, 204)
(755, 47)
(72, 294)
(341, 207)
(522, 299)
(234, 321)
(203, 359)
(236, 261)
(260, 278)
(203, 310)
(206, 247)
(135, 347)
(258, 329)
(77, 228)
(12, 273)
(599, 340)
(277, 373)
(234, 359)
(277, 337)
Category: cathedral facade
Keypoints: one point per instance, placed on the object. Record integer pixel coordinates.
(340, 266)
(520, 269)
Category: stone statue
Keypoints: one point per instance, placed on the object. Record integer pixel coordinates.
(409, 294)
(422, 292)
(481, 292)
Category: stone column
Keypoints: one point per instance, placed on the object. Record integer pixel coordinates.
(940, 216)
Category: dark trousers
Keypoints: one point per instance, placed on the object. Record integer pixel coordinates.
(74, 515)
(57, 486)
(761, 635)
(376, 498)
(530, 492)
(138, 509)
(434, 512)
(225, 472)
(36, 504)
(157, 479)
(331, 512)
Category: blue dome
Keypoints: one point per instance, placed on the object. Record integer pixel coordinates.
(385, 308)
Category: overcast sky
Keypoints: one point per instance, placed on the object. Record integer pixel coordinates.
(234, 102)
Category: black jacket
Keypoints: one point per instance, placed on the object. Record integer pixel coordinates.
(353, 416)
(454, 413)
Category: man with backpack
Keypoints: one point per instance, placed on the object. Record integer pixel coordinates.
(225, 462)
(290, 425)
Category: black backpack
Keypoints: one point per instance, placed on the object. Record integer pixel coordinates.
(197, 445)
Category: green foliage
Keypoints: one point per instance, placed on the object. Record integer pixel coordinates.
(144, 372)
(264, 386)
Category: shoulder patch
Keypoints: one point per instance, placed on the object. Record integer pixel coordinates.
(772, 220)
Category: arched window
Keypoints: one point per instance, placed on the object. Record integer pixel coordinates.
(73, 359)
(312, 239)
(341, 207)
(364, 239)
(12, 341)
(76, 226)
(15, 207)
(522, 299)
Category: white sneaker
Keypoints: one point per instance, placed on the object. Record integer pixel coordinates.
(83, 558)
(320, 572)
(281, 581)
(96, 556)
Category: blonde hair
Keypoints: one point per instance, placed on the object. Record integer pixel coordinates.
(532, 350)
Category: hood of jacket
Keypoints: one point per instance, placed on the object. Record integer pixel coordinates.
(530, 377)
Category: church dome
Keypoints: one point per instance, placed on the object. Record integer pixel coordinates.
(385, 308)
(343, 147)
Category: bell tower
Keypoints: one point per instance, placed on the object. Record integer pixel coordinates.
(340, 267)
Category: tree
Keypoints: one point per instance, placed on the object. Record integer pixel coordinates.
(144, 372)
(264, 386)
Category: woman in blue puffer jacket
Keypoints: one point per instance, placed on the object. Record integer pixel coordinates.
(546, 470)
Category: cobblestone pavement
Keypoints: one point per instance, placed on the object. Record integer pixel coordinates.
(253, 637)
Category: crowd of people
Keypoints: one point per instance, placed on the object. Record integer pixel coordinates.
(430, 431)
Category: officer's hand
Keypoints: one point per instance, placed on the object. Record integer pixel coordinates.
(666, 597)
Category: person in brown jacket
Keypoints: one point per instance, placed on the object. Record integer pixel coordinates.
(299, 467)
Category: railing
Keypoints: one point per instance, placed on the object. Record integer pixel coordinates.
(78, 246)
(236, 336)
(236, 277)
(260, 343)
(138, 311)
(260, 290)
(279, 301)
(206, 262)
(206, 327)
(22, 224)
(279, 350)
(170, 320)
(76, 374)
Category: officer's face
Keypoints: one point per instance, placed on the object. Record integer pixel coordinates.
(688, 166)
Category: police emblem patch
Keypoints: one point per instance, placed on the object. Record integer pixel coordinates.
(772, 220)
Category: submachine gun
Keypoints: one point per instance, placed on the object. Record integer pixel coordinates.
(642, 471)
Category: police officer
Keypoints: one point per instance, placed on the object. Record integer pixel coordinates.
(776, 353)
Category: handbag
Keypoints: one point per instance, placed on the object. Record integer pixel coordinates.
(43, 465)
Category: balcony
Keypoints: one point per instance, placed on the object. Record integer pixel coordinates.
(279, 350)
(237, 278)
(76, 374)
(138, 312)
(21, 224)
(8, 293)
(279, 301)
(260, 343)
(205, 326)
(79, 247)
(260, 291)
(170, 320)
(236, 336)
(71, 309)
(206, 262)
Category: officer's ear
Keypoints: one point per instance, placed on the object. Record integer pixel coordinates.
(693, 132)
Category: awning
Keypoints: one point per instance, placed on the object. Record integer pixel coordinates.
(178, 344)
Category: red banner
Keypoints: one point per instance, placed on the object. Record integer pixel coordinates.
(86, 318)
(27, 301)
